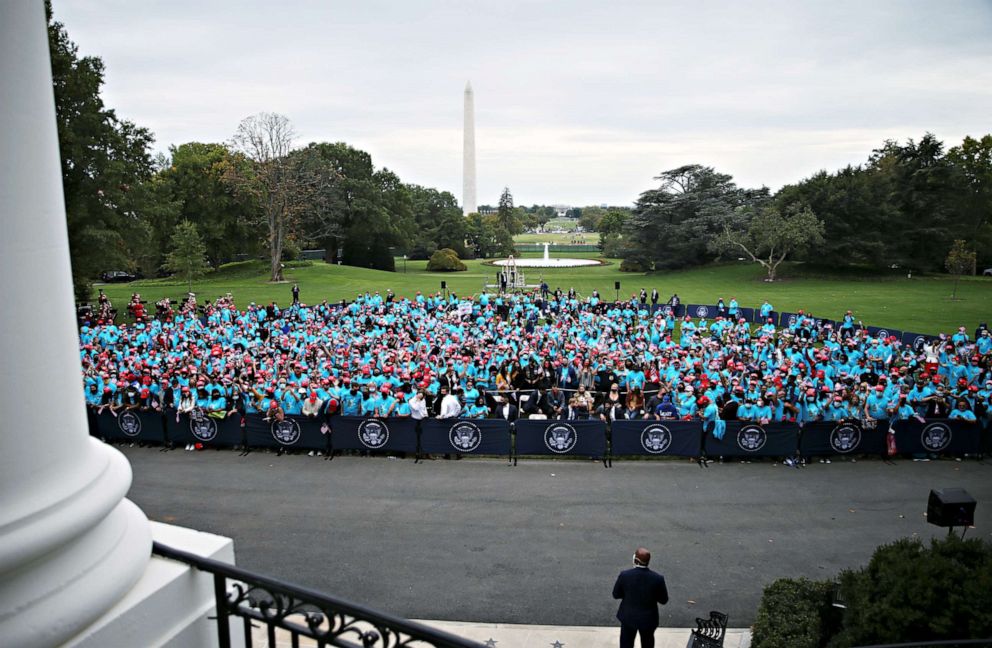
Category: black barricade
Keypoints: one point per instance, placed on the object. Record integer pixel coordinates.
(758, 319)
(916, 341)
(199, 428)
(823, 323)
(746, 313)
(700, 311)
(744, 439)
(360, 433)
(824, 438)
(130, 425)
(787, 319)
(465, 436)
(293, 432)
(664, 309)
(552, 437)
(656, 438)
(878, 331)
(937, 436)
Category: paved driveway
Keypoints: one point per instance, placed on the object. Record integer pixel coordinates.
(542, 542)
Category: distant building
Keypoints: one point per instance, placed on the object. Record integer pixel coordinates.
(561, 211)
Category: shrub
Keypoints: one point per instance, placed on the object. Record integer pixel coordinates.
(445, 260)
(910, 592)
(795, 613)
(631, 265)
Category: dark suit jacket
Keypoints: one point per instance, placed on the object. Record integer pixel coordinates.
(640, 591)
(512, 414)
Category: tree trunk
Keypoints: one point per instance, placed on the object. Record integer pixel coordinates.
(275, 248)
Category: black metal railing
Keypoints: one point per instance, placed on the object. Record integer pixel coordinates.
(303, 612)
(951, 643)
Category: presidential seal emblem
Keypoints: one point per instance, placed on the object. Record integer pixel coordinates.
(373, 433)
(129, 423)
(655, 439)
(845, 438)
(203, 427)
(560, 438)
(882, 333)
(702, 311)
(751, 438)
(936, 437)
(465, 437)
(667, 310)
(792, 320)
(286, 432)
(918, 342)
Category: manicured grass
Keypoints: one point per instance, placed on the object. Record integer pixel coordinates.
(590, 238)
(920, 304)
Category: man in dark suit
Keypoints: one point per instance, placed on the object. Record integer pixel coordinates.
(640, 591)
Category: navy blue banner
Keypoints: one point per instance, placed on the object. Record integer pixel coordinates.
(937, 436)
(292, 432)
(465, 436)
(878, 331)
(824, 438)
(678, 311)
(744, 439)
(916, 341)
(787, 319)
(701, 311)
(130, 425)
(550, 437)
(746, 313)
(209, 431)
(823, 323)
(657, 438)
(758, 319)
(360, 433)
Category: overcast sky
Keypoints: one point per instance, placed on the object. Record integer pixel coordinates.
(576, 102)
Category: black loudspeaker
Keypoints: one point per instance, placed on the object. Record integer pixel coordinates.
(616, 285)
(444, 285)
(951, 507)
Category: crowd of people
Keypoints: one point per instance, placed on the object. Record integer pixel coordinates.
(537, 355)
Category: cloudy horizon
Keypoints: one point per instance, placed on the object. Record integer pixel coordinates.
(580, 103)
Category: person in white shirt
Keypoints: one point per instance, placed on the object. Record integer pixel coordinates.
(312, 405)
(418, 406)
(450, 406)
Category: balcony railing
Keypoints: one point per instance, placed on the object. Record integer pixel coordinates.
(953, 643)
(303, 612)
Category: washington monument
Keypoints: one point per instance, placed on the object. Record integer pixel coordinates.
(468, 154)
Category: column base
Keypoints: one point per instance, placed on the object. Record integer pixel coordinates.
(170, 603)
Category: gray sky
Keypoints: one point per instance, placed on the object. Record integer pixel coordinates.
(576, 102)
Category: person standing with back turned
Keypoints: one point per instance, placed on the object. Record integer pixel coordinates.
(640, 591)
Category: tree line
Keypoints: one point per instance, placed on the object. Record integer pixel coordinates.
(907, 206)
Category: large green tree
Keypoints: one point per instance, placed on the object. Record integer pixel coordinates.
(188, 255)
(281, 188)
(373, 214)
(971, 173)
(771, 236)
(439, 222)
(195, 177)
(105, 163)
(508, 217)
(673, 225)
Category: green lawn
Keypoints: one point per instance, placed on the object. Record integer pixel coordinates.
(590, 238)
(921, 304)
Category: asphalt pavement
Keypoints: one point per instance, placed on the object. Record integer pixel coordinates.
(542, 542)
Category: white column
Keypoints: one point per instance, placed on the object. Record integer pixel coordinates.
(70, 545)
(469, 204)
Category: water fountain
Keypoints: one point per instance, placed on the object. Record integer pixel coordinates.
(548, 262)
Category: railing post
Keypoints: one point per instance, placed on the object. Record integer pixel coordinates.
(220, 602)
